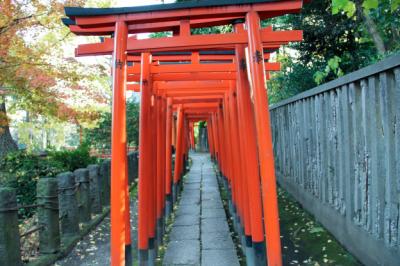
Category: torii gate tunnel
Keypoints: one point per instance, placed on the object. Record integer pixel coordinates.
(217, 78)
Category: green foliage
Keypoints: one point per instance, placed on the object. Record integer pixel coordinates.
(161, 34)
(100, 136)
(71, 160)
(202, 124)
(332, 67)
(21, 171)
(349, 7)
(333, 45)
(343, 5)
(294, 78)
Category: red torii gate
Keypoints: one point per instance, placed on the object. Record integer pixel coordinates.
(228, 109)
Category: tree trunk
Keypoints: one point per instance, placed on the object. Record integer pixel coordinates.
(7, 144)
(371, 28)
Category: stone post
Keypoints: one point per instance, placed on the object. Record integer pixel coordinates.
(135, 165)
(82, 181)
(103, 173)
(106, 181)
(68, 204)
(48, 215)
(95, 190)
(10, 253)
(131, 176)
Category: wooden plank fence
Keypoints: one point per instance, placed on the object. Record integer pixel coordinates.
(337, 151)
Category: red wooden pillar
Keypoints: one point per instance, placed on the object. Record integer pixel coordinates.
(241, 174)
(179, 151)
(228, 149)
(264, 138)
(215, 136)
(153, 181)
(119, 178)
(249, 151)
(145, 165)
(222, 140)
(192, 141)
(163, 152)
(210, 139)
(160, 170)
(168, 155)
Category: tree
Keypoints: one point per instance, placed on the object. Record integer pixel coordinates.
(333, 45)
(6, 141)
(100, 136)
(37, 76)
(371, 13)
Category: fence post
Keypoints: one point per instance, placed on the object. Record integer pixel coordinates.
(48, 215)
(95, 190)
(82, 181)
(10, 253)
(67, 204)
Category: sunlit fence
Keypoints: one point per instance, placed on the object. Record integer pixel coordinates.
(68, 206)
(337, 151)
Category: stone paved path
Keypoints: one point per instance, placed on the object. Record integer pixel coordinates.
(200, 234)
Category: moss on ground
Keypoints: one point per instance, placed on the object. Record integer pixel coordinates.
(304, 240)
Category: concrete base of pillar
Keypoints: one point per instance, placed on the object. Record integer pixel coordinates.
(143, 257)
(260, 253)
(174, 194)
(128, 255)
(230, 207)
(152, 252)
(234, 219)
(250, 258)
(168, 206)
(160, 231)
(242, 237)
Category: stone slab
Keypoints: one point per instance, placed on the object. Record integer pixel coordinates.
(219, 257)
(217, 240)
(189, 201)
(188, 209)
(187, 219)
(185, 233)
(213, 213)
(183, 252)
(209, 225)
(212, 204)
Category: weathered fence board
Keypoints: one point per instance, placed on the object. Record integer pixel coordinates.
(337, 151)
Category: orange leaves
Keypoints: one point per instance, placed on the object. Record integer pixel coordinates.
(36, 78)
(32, 43)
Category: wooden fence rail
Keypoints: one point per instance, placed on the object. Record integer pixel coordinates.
(337, 151)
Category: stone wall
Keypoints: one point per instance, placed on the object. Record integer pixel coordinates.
(337, 151)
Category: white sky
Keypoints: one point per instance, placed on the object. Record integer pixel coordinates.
(122, 3)
(118, 3)
(90, 60)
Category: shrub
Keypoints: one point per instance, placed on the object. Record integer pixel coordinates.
(73, 159)
(21, 171)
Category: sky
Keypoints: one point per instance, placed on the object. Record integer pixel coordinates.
(90, 60)
(122, 3)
